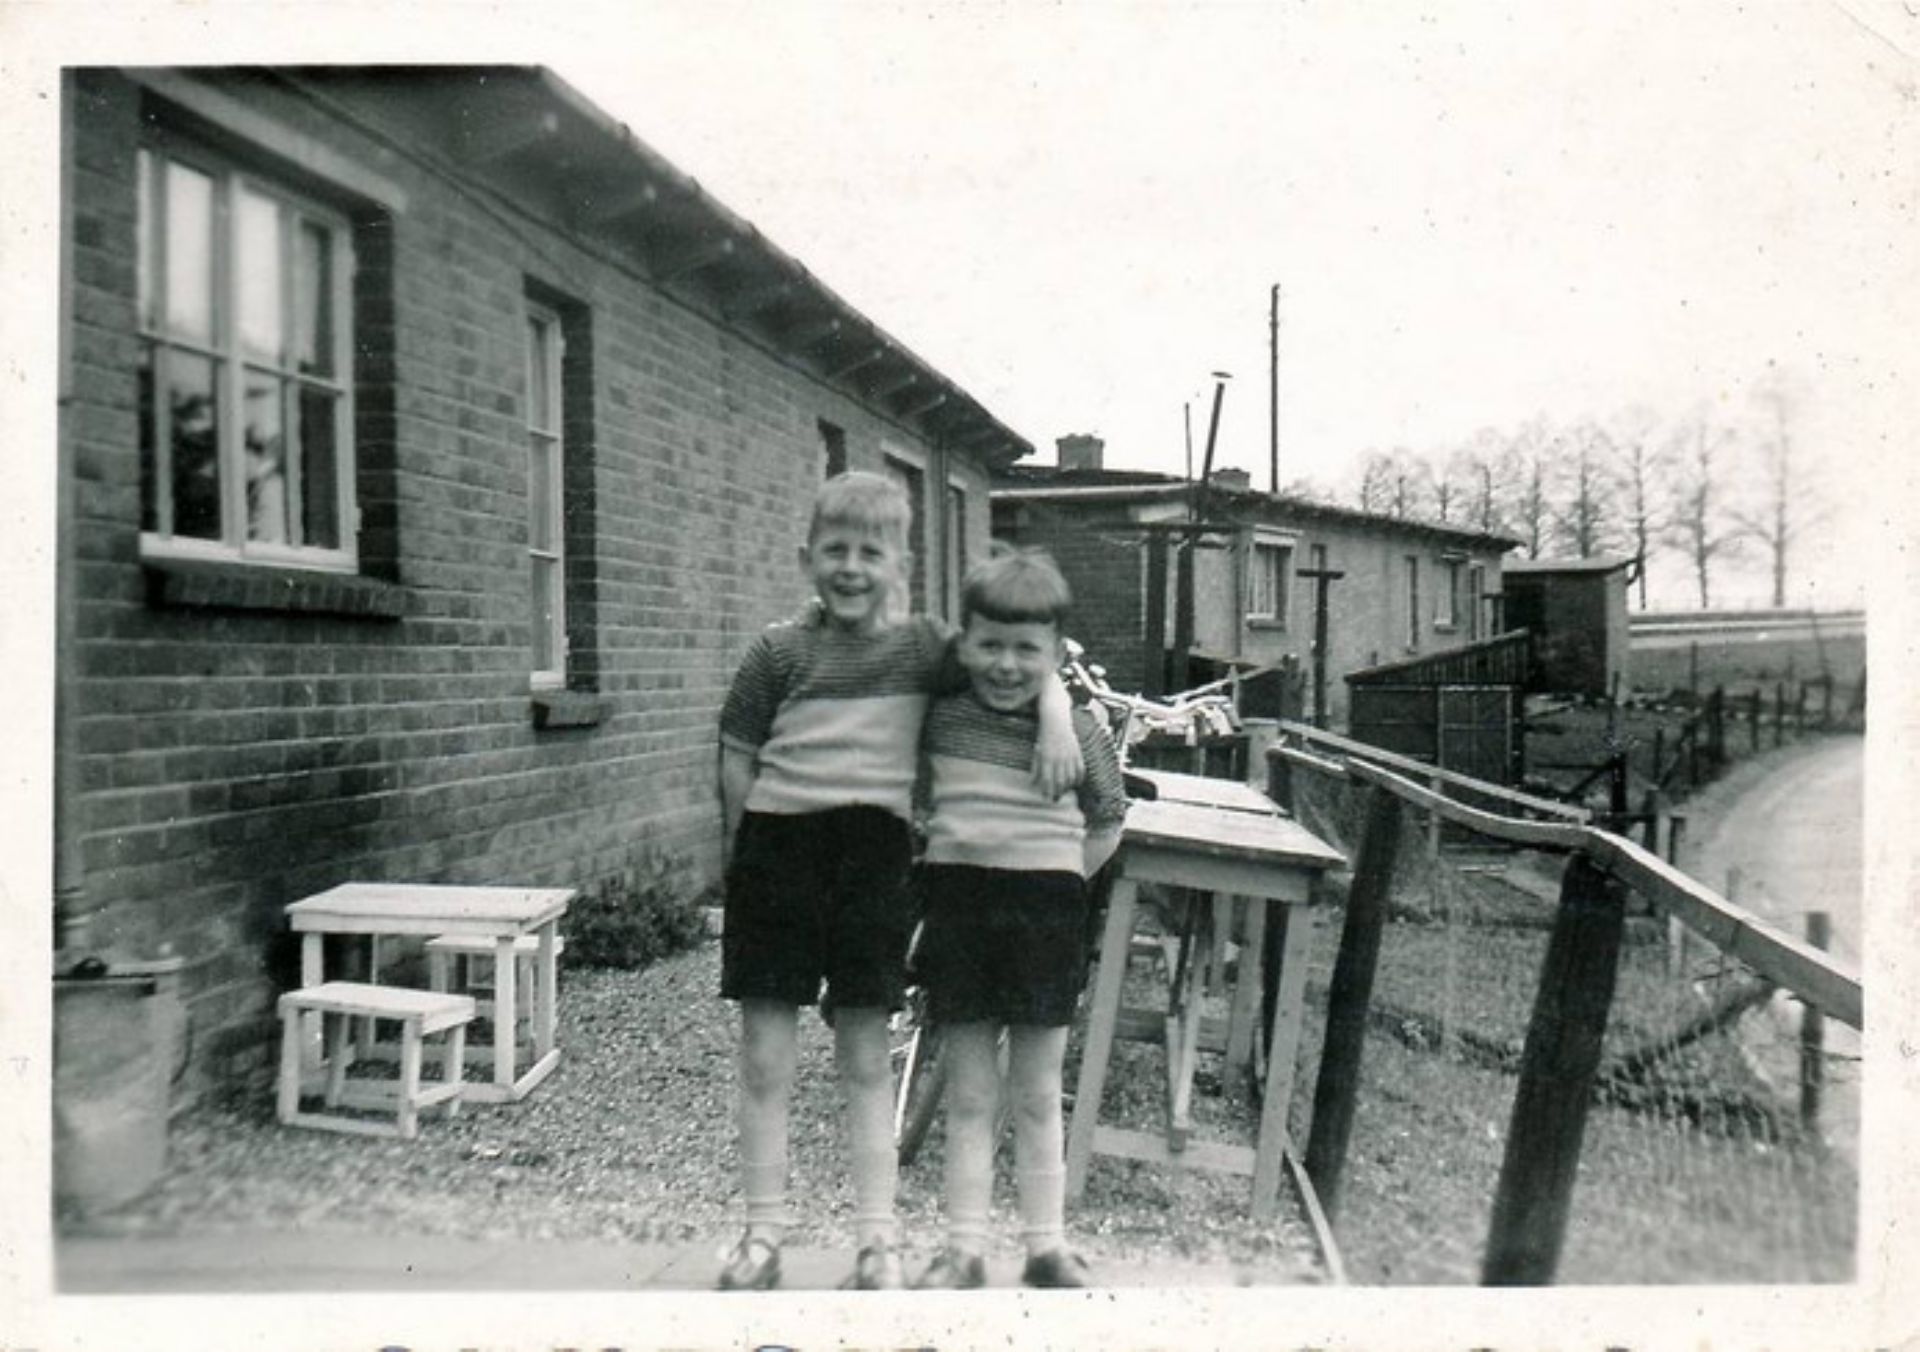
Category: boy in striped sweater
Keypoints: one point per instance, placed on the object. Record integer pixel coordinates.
(818, 745)
(1005, 889)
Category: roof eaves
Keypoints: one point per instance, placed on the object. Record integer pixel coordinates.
(1005, 445)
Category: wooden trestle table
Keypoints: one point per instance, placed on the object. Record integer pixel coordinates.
(1250, 851)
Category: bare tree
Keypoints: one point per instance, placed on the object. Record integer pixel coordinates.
(1640, 462)
(1526, 469)
(1410, 486)
(1782, 506)
(1700, 524)
(1479, 474)
(1376, 477)
(1584, 515)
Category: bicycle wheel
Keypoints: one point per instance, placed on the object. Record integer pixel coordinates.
(923, 1078)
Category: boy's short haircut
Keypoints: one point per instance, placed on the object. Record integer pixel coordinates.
(865, 501)
(1016, 586)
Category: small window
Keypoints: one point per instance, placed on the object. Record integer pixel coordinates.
(245, 393)
(1413, 602)
(546, 496)
(1270, 580)
(1447, 603)
(833, 448)
(1476, 602)
(913, 480)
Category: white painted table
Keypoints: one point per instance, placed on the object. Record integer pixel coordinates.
(1272, 862)
(1174, 787)
(500, 914)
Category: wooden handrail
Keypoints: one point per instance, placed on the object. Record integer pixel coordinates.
(1816, 977)
(1544, 806)
(1515, 830)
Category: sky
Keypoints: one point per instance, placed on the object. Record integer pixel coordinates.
(1475, 214)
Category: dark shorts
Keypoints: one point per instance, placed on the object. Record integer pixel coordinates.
(1002, 945)
(819, 896)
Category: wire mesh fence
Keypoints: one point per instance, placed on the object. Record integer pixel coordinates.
(1698, 1161)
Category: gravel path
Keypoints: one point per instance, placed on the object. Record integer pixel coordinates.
(631, 1140)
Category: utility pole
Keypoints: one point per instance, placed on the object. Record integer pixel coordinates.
(1273, 391)
(1323, 578)
(1186, 416)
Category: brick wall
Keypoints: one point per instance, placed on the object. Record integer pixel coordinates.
(1101, 554)
(235, 756)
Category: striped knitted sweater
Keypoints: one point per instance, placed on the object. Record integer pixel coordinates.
(986, 810)
(833, 718)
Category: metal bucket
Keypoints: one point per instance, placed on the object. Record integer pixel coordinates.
(116, 1036)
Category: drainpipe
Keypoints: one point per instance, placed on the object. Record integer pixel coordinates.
(72, 930)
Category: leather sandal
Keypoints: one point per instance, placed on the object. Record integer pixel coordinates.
(1056, 1268)
(753, 1265)
(953, 1270)
(876, 1269)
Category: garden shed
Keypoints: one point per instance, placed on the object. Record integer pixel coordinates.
(1577, 611)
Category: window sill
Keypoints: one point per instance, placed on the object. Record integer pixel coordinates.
(566, 709)
(219, 584)
(1440, 628)
(1267, 622)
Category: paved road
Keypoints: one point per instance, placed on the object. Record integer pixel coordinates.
(1791, 823)
(1794, 834)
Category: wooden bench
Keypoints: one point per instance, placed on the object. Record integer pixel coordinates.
(450, 963)
(420, 1014)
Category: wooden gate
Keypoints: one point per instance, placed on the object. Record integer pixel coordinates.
(1473, 729)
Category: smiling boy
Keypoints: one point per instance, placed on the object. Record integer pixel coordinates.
(818, 746)
(1005, 890)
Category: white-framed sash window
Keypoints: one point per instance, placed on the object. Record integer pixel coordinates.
(245, 386)
(546, 497)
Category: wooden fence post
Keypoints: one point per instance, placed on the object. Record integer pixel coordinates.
(1280, 780)
(1676, 931)
(1659, 775)
(1717, 726)
(1753, 719)
(1813, 1034)
(1557, 1073)
(1826, 703)
(1349, 995)
(1779, 712)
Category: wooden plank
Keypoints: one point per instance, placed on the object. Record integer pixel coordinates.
(1433, 773)
(1557, 1073)
(1155, 862)
(1349, 995)
(1200, 1153)
(1248, 836)
(1284, 1049)
(1318, 1219)
(1114, 942)
(1541, 835)
(1203, 791)
(1816, 977)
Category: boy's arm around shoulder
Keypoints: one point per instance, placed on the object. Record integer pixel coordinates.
(1102, 793)
(1058, 758)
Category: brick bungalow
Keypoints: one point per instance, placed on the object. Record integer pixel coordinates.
(1409, 588)
(431, 450)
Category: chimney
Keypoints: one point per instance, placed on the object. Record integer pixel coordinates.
(1233, 478)
(1079, 451)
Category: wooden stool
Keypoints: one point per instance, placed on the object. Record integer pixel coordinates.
(419, 1013)
(450, 961)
